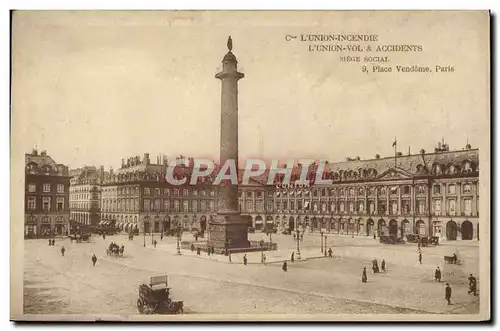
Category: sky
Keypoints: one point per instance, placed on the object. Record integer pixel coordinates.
(92, 88)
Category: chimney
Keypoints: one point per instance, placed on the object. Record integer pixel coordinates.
(146, 159)
(34, 152)
(44, 153)
(165, 160)
(111, 171)
(123, 163)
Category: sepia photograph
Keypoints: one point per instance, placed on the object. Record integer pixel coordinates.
(250, 166)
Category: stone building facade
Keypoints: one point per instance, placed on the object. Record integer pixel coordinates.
(85, 195)
(46, 196)
(432, 194)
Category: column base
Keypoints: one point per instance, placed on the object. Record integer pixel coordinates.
(228, 231)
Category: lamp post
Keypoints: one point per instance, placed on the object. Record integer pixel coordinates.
(179, 229)
(325, 245)
(298, 243)
(262, 251)
(144, 231)
(321, 241)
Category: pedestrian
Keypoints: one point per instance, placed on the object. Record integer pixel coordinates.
(364, 278)
(437, 275)
(263, 258)
(196, 237)
(198, 251)
(245, 260)
(447, 293)
(63, 250)
(209, 250)
(94, 260)
(292, 258)
(154, 243)
(420, 257)
(192, 248)
(53, 242)
(294, 237)
(418, 247)
(285, 266)
(472, 285)
(330, 252)
(161, 236)
(301, 237)
(213, 250)
(229, 254)
(383, 265)
(104, 236)
(50, 242)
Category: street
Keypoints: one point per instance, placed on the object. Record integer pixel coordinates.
(70, 285)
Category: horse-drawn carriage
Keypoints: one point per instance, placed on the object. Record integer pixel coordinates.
(452, 259)
(424, 241)
(391, 240)
(155, 298)
(115, 250)
(80, 237)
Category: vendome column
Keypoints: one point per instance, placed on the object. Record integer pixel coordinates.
(229, 229)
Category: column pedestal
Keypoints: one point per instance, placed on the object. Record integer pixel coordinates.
(228, 231)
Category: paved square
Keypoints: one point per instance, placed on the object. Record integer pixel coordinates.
(54, 284)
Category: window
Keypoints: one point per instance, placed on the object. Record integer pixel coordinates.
(166, 205)
(394, 208)
(452, 207)
(31, 203)
(437, 207)
(421, 206)
(176, 205)
(451, 189)
(467, 188)
(194, 205)
(32, 188)
(332, 207)
(240, 204)
(323, 207)
(383, 190)
(361, 206)
(211, 205)
(176, 192)
(259, 194)
(285, 205)
(185, 205)
(270, 205)
(394, 190)
(351, 191)
(299, 205)
(60, 203)
(468, 207)
(166, 192)
(147, 205)
(341, 207)
(157, 191)
(437, 189)
(372, 207)
(147, 191)
(185, 192)
(421, 189)
(249, 194)
(46, 188)
(212, 193)
(203, 206)
(406, 189)
(195, 192)
(315, 206)
(157, 205)
(351, 207)
(250, 205)
(259, 205)
(315, 193)
(46, 203)
(361, 191)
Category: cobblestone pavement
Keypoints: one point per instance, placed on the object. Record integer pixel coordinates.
(70, 285)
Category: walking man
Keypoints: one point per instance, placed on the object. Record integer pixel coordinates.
(285, 266)
(245, 260)
(330, 252)
(63, 250)
(437, 275)
(161, 236)
(472, 285)
(383, 265)
(447, 293)
(94, 260)
(420, 257)
(364, 278)
(50, 242)
(292, 258)
(53, 242)
(154, 243)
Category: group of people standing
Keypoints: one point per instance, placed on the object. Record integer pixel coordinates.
(375, 268)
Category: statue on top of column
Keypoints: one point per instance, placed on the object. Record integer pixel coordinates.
(230, 44)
